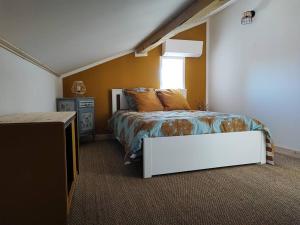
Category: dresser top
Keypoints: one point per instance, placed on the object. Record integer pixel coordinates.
(43, 117)
(73, 98)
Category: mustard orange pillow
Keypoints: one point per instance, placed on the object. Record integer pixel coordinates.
(146, 101)
(173, 100)
(130, 100)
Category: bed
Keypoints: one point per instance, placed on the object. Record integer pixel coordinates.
(187, 140)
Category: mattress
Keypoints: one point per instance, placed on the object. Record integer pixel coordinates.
(131, 127)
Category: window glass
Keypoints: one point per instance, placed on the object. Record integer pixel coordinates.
(172, 73)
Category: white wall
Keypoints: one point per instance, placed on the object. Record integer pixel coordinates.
(255, 69)
(25, 87)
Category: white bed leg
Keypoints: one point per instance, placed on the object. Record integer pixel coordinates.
(147, 158)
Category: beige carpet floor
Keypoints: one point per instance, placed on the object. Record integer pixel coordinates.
(110, 193)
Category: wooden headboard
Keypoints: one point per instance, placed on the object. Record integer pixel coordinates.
(119, 101)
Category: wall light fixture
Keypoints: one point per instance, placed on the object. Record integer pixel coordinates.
(247, 17)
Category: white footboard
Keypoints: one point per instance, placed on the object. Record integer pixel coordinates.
(164, 155)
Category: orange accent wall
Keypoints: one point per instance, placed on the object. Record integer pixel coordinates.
(129, 71)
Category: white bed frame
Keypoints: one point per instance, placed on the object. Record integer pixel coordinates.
(163, 155)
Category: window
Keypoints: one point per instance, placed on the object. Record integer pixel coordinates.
(172, 73)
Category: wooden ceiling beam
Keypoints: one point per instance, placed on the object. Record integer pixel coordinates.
(178, 20)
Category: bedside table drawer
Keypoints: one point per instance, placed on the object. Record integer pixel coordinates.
(86, 104)
(86, 121)
(66, 105)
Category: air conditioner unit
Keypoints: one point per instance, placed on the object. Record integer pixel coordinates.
(182, 48)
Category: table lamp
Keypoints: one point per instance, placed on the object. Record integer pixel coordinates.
(78, 88)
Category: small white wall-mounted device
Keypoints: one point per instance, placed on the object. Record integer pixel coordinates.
(182, 48)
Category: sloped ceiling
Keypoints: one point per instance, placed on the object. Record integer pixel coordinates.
(69, 34)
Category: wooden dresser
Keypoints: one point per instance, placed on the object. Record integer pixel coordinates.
(39, 167)
(85, 108)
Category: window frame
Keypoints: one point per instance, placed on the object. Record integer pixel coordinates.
(160, 69)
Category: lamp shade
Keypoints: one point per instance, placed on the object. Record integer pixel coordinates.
(78, 88)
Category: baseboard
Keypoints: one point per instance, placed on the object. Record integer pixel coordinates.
(289, 152)
(103, 137)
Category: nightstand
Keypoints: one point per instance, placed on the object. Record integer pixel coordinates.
(85, 109)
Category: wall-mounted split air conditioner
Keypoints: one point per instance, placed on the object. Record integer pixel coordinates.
(182, 48)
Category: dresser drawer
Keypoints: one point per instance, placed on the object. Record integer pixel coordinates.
(66, 105)
(86, 104)
(86, 121)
